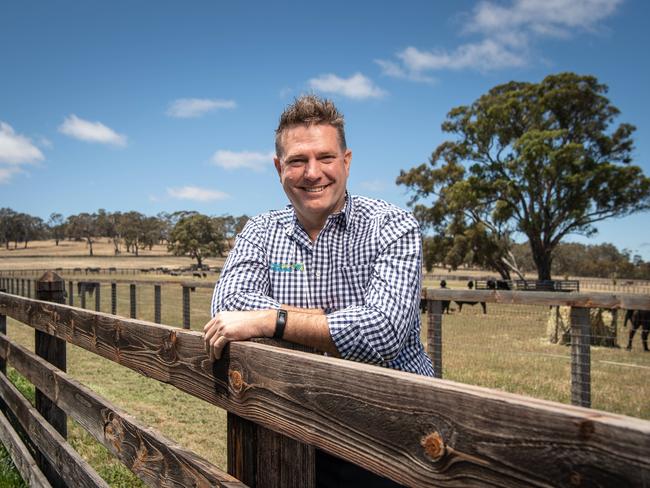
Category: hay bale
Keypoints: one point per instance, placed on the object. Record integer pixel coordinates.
(603, 326)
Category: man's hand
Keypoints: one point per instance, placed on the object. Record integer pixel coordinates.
(236, 326)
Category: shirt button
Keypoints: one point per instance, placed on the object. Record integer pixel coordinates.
(317, 274)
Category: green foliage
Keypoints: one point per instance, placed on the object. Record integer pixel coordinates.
(9, 476)
(198, 236)
(539, 159)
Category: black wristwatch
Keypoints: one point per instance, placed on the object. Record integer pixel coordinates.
(280, 324)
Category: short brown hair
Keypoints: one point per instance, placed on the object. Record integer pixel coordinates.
(310, 110)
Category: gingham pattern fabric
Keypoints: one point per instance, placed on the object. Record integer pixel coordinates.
(363, 270)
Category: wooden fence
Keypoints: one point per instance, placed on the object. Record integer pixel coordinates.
(283, 404)
(436, 297)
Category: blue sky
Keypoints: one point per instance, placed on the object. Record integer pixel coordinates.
(161, 106)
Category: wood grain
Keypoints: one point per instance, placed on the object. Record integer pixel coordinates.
(140, 448)
(415, 430)
(626, 301)
(70, 466)
(21, 456)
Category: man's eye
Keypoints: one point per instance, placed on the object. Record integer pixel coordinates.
(327, 159)
(296, 162)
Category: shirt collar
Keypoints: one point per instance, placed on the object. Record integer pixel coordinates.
(344, 216)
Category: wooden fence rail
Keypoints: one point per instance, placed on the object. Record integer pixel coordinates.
(415, 430)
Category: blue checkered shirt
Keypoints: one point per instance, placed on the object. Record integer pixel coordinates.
(363, 270)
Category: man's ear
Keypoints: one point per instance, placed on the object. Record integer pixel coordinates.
(278, 166)
(347, 159)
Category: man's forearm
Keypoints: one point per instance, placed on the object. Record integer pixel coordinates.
(309, 327)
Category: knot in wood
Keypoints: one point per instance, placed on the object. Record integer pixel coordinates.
(113, 430)
(434, 446)
(586, 428)
(168, 351)
(236, 380)
(575, 479)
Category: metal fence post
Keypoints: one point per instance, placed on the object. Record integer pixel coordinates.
(22, 287)
(114, 298)
(3, 330)
(97, 297)
(82, 290)
(434, 335)
(132, 299)
(580, 357)
(70, 293)
(186, 305)
(156, 303)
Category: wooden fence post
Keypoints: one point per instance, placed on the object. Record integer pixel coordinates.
(580, 357)
(259, 457)
(132, 300)
(434, 335)
(156, 304)
(51, 287)
(3, 330)
(114, 298)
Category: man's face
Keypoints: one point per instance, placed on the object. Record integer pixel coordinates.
(313, 170)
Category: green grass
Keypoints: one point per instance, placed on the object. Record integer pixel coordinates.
(505, 349)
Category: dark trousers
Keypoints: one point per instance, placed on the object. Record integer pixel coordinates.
(332, 472)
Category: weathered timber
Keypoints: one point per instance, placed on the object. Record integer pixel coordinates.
(21, 456)
(72, 468)
(50, 287)
(434, 335)
(586, 300)
(261, 457)
(138, 447)
(415, 430)
(580, 357)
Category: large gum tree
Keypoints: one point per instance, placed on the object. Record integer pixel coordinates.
(541, 159)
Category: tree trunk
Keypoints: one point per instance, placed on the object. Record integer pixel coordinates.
(543, 259)
(90, 245)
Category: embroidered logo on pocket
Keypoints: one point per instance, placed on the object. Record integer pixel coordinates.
(287, 267)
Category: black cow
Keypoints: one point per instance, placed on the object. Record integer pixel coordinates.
(470, 285)
(638, 318)
(87, 286)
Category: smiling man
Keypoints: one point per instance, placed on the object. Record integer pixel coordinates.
(336, 272)
(333, 271)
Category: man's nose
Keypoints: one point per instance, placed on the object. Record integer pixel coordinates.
(312, 169)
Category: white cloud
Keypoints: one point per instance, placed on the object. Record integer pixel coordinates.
(357, 86)
(85, 130)
(186, 108)
(375, 186)
(506, 32)
(197, 194)
(7, 173)
(544, 17)
(16, 148)
(256, 161)
(483, 56)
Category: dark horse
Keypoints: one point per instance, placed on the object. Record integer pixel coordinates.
(638, 318)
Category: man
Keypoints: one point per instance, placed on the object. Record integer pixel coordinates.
(336, 272)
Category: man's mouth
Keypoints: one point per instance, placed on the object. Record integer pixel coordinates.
(314, 189)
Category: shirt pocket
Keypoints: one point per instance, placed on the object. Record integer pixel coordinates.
(352, 285)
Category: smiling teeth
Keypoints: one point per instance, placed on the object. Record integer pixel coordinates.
(315, 189)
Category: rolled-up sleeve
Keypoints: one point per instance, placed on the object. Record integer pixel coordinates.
(244, 281)
(376, 331)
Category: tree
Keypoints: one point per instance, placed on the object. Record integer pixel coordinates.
(83, 226)
(540, 159)
(56, 226)
(198, 236)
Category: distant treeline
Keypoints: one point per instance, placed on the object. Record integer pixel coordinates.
(184, 232)
(570, 259)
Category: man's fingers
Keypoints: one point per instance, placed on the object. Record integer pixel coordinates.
(216, 347)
